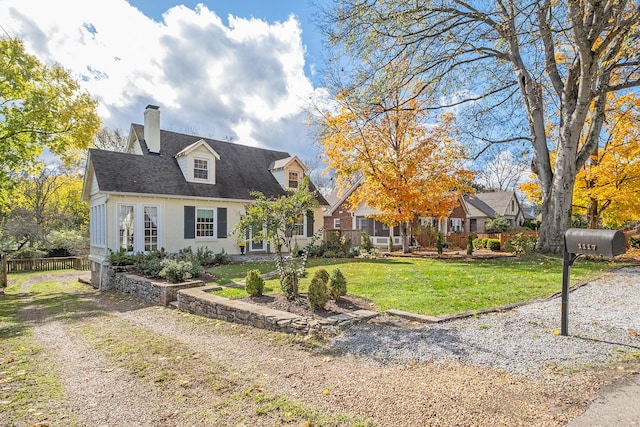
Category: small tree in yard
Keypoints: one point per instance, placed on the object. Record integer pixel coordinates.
(318, 294)
(470, 244)
(273, 220)
(254, 283)
(337, 285)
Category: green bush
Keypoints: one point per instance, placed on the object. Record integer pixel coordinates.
(323, 274)
(634, 241)
(121, 257)
(318, 294)
(150, 266)
(470, 244)
(439, 244)
(493, 244)
(289, 285)
(520, 244)
(178, 270)
(337, 284)
(365, 242)
(497, 225)
(254, 283)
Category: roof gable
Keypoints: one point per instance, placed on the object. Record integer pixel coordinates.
(195, 146)
(286, 162)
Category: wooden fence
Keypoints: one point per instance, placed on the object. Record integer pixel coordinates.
(46, 264)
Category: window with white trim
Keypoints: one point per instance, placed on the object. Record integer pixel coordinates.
(336, 223)
(298, 226)
(361, 223)
(126, 230)
(293, 179)
(97, 222)
(205, 222)
(456, 224)
(150, 228)
(201, 169)
(138, 227)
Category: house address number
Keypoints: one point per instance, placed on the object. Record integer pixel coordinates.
(587, 246)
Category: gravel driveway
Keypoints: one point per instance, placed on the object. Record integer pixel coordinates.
(505, 368)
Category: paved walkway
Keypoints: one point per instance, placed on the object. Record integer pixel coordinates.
(615, 405)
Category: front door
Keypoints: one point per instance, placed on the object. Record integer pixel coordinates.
(259, 246)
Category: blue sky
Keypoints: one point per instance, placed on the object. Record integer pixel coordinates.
(240, 70)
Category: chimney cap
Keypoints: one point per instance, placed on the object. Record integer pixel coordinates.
(153, 107)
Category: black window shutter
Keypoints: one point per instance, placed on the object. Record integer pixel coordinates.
(309, 223)
(189, 222)
(222, 223)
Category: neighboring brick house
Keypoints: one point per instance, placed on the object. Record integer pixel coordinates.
(173, 191)
(470, 216)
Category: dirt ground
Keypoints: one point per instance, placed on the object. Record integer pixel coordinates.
(122, 362)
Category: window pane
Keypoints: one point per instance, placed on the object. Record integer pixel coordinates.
(200, 169)
(293, 179)
(126, 227)
(150, 228)
(205, 223)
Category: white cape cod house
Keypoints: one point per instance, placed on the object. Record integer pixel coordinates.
(173, 190)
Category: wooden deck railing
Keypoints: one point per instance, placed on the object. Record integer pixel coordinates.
(47, 264)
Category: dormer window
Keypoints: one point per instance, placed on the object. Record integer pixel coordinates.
(201, 169)
(198, 162)
(293, 179)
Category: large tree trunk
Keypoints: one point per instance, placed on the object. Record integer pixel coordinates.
(404, 237)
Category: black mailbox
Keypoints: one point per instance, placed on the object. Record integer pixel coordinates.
(608, 243)
(581, 241)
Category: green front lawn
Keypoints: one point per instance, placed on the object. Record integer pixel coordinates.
(438, 286)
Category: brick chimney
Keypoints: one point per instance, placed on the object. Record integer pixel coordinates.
(152, 128)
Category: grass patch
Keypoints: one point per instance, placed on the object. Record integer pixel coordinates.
(228, 273)
(29, 384)
(440, 286)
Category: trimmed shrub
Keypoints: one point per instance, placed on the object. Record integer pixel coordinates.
(337, 284)
(254, 283)
(493, 244)
(470, 244)
(150, 265)
(177, 271)
(323, 274)
(318, 294)
(121, 258)
(634, 241)
(439, 244)
(289, 285)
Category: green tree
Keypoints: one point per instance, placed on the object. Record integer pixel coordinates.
(533, 72)
(273, 220)
(40, 107)
(45, 213)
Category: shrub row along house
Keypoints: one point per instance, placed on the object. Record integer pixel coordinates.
(174, 191)
(470, 216)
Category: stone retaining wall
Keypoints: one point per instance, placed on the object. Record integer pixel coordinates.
(161, 293)
(202, 302)
(193, 297)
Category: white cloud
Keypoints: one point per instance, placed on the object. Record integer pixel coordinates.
(245, 80)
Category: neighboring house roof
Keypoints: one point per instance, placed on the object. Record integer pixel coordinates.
(491, 203)
(240, 170)
(283, 163)
(476, 207)
(337, 201)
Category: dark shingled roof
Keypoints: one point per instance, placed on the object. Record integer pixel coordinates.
(240, 170)
(480, 205)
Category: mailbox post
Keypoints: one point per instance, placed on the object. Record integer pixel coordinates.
(580, 241)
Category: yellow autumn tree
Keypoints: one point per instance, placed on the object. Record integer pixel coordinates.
(607, 187)
(405, 165)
